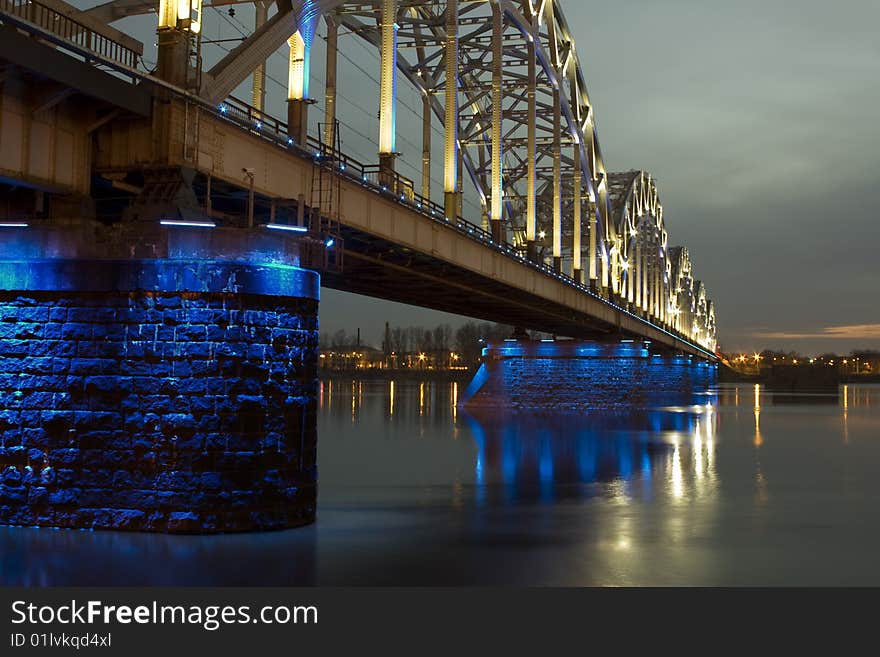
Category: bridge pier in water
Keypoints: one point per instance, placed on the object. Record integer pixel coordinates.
(586, 376)
(174, 393)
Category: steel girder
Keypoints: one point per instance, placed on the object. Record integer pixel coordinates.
(694, 313)
(524, 127)
(530, 28)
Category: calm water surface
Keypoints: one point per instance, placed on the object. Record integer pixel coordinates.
(736, 486)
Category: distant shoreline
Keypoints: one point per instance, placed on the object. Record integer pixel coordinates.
(399, 375)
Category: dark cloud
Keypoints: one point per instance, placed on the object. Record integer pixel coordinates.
(759, 122)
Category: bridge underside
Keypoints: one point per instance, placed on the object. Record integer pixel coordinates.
(378, 268)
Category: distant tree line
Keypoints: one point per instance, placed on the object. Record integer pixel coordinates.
(864, 354)
(465, 340)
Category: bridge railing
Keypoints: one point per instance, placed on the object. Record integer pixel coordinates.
(69, 30)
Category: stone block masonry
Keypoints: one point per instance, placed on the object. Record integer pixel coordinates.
(157, 395)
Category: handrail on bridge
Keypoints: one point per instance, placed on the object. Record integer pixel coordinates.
(70, 30)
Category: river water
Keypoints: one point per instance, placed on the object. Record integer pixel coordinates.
(733, 486)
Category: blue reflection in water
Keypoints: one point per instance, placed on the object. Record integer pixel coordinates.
(546, 426)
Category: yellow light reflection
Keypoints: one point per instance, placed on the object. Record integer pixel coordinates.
(698, 453)
(758, 441)
(677, 476)
(846, 415)
(454, 402)
(391, 399)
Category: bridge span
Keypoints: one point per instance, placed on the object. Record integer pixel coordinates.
(603, 266)
(159, 238)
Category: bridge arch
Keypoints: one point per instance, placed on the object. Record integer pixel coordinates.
(517, 119)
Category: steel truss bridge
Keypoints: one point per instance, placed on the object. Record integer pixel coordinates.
(89, 129)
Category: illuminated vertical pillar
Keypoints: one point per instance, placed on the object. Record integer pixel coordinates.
(664, 293)
(460, 196)
(635, 269)
(531, 164)
(557, 178)
(388, 91)
(594, 226)
(258, 84)
(577, 264)
(655, 282)
(298, 88)
(178, 21)
(615, 264)
(450, 120)
(497, 208)
(330, 90)
(630, 270)
(601, 203)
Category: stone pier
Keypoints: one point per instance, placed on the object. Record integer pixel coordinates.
(170, 393)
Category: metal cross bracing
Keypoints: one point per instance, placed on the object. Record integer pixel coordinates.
(502, 81)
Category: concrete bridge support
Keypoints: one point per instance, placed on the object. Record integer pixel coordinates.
(164, 394)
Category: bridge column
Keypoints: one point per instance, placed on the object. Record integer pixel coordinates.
(601, 202)
(655, 283)
(426, 146)
(557, 179)
(450, 122)
(646, 278)
(630, 284)
(497, 209)
(258, 84)
(664, 296)
(593, 265)
(175, 402)
(636, 270)
(531, 164)
(178, 23)
(577, 271)
(330, 90)
(388, 92)
(298, 89)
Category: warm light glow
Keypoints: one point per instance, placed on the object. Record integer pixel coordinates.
(388, 79)
(677, 477)
(298, 73)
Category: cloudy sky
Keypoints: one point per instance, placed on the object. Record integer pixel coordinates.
(759, 121)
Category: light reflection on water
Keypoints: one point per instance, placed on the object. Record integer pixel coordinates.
(726, 485)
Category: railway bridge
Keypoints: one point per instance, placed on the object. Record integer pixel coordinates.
(162, 242)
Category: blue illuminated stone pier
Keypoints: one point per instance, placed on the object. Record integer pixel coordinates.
(586, 376)
(161, 394)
